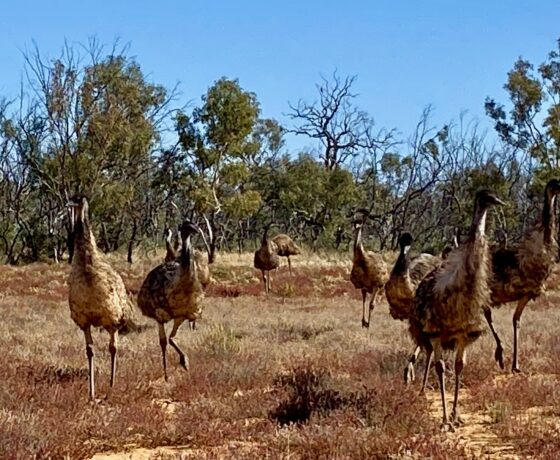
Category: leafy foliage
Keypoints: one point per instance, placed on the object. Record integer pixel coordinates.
(95, 125)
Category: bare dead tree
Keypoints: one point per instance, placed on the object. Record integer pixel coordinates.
(342, 129)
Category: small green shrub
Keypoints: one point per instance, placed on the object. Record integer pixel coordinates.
(220, 340)
(499, 412)
(286, 290)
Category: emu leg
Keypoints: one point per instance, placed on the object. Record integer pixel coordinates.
(89, 353)
(499, 353)
(364, 298)
(409, 370)
(516, 320)
(290, 265)
(183, 361)
(440, 370)
(429, 354)
(459, 365)
(372, 305)
(163, 345)
(264, 281)
(113, 351)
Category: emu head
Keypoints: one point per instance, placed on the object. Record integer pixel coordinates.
(552, 188)
(486, 198)
(78, 206)
(405, 241)
(188, 229)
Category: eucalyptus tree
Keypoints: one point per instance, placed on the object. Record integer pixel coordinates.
(102, 119)
(223, 140)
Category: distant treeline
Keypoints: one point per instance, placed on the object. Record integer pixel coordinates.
(89, 122)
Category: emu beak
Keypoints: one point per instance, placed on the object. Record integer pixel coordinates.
(195, 227)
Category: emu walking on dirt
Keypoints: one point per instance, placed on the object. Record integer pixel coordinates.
(173, 291)
(97, 295)
(266, 259)
(520, 272)
(200, 260)
(286, 248)
(369, 274)
(405, 277)
(449, 302)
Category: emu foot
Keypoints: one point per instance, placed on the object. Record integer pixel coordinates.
(427, 387)
(516, 370)
(447, 427)
(97, 401)
(409, 374)
(457, 420)
(365, 323)
(184, 362)
(499, 356)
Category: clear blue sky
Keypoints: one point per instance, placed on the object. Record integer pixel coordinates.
(407, 54)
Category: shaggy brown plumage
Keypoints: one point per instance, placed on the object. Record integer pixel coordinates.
(449, 302)
(406, 275)
(266, 259)
(97, 295)
(449, 248)
(202, 268)
(445, 252)
(405, 278)
(519, 273)
(369, 274)
(201, 261)
(174, 291)
(286, 248)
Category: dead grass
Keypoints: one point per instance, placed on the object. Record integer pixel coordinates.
(292, 375)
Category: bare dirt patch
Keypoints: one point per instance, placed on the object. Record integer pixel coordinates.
(475, 435)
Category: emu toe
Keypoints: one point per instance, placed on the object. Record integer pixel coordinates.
(447, 427)
(457, 420)
(184, 362)
(97, 401)
(499, 356)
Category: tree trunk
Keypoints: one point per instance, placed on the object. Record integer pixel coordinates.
(213, 240)
(339, 237)
(241, 238)
(131, 242)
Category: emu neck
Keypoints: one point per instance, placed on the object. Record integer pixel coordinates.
(85, 249)
(186, 251)
(170, 251)
(401, 265)
(476, 242)
(358, 247)
(264, 240)
(549, 219)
